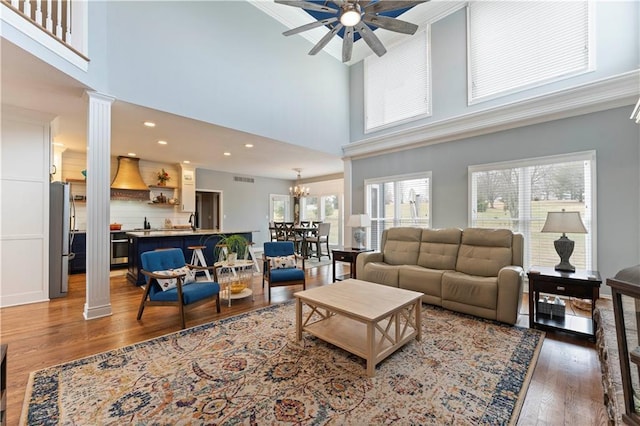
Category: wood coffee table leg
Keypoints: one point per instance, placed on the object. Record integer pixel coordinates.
(418, 317)
(371, 349)
(298, 319)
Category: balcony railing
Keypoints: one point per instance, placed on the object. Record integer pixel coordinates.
(64, 20)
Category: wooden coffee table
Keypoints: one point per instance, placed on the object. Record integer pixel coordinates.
(366, 319)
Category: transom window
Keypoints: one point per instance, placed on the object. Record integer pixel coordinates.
(515, 45)
(397, 201)
(398, 85)
(518, 195)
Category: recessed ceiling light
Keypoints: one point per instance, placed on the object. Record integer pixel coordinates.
(162, 142)
(248, 145)
(227, 154)
(150, 124)
(186, 162)
(131, 154)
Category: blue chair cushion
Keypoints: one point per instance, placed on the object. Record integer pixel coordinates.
(286, 274)
(278, 248)
(190, 293)
(162, 260)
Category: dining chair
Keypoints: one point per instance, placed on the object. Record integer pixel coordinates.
(281, 232)
(171, 282)
(293, 236)
(322, 237)
(280, 266)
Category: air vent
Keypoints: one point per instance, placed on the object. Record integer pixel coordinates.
(243, 179)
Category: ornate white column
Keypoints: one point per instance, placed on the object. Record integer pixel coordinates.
(98, 300)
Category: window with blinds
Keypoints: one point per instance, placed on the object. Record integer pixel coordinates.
(397, 85)
(513, 45)
(518, 195)
(397, 201)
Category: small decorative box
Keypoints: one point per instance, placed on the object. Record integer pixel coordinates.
(544, 307)
(555, 308)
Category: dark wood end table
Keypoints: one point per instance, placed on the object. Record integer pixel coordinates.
(347, 255)
(582, 284)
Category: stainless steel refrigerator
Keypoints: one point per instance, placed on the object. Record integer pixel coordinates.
(60, 218)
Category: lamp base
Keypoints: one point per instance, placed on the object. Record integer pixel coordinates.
(358, 238)
(564, 248)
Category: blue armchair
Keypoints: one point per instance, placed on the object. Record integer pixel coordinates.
(280, 265)
(171, 282)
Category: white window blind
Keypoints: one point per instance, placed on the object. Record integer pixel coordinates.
(397, 201)
(397, 85)
(518, 44)
(518, 195)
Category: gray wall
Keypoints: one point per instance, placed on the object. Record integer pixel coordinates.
(617, 51)
(611, 133)
(227, 63)
(245, 205)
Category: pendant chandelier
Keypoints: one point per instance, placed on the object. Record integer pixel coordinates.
(298, 190)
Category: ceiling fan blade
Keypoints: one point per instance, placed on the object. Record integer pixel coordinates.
(371, 39)
(347, 44)
(310, 26)
(386, 5)
(326, 39)
(391, 24)
(307, 5)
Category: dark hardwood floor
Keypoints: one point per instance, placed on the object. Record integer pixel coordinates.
(565, 388)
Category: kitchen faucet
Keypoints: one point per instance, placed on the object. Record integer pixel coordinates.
(192, 221)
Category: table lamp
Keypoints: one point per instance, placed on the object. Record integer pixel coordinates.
(358, 222)
(564, 222)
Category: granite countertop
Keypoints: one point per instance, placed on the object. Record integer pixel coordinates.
(178, 232)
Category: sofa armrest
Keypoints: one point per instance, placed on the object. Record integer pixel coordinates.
(510, 288)
(364, 258)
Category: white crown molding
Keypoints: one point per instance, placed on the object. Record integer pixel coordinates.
(611, 92)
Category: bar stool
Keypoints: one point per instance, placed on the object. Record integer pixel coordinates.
(197, 259)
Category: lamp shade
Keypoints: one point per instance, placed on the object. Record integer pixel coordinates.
(564, 222)
(359, 220)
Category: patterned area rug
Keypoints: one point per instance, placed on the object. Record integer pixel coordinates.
(249, 369)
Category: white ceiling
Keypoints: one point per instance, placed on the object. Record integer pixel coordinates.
(29, 83)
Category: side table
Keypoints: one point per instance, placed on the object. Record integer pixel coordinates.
(347, 255)
(582, 284)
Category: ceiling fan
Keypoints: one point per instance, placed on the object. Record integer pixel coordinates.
(361, 16)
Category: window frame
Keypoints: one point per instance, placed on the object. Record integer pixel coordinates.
(591, 61)
(591, 237)
(429, 100)
(395, 179)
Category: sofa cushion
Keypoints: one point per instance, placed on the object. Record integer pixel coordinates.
(381, 273)
(484, 252)
(401, 246)
(470, 290)
(424, 280)
(439, 248)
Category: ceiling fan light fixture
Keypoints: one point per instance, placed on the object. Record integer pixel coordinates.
(351, 14)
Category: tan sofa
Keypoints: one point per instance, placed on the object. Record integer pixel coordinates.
(475, 271)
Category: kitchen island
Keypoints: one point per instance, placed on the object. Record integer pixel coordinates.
(142, 241)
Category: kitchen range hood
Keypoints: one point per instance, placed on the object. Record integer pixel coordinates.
(127, 183)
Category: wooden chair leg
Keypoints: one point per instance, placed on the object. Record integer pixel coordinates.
(218, 302)
(144, 299)
(182, 321)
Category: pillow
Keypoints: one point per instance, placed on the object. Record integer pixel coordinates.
(282, 262)
(169, 283)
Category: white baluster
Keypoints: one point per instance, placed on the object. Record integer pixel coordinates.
(27, 8)
(16, 4)
(67, 36)
(39, 12)
(59, 20)
(49, 21)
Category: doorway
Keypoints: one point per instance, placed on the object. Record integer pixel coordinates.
(208, 209)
